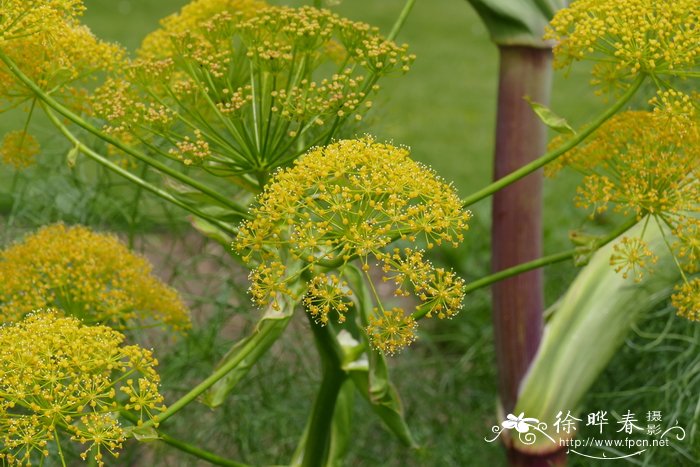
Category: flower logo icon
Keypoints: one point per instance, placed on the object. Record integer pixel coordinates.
(520, 423)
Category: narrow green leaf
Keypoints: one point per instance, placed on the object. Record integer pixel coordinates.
(209, 230)
(388, 408)
(266, 333)
(549, 118)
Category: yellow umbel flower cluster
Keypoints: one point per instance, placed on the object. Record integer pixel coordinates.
(686, 299)
(350, 200)
(638, 162)
(647, 163)
(391, 330)
(18, 149)
(160, 43)
(21, 18)
(632, 258)
(61, 381)
(48, 44)
(241, 88)
(628, 37)
(88, 275)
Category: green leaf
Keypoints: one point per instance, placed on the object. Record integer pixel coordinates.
(517, 22)
(204, 203)
(549, 118)
(215, 233)
(253, 347)
(144, 435)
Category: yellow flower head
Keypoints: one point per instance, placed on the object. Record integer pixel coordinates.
(61, 380)
(326, 294)
(160, 44)
(628, 37)
(50, 46)
(89, 275)
(350, 200)
(238, 87)
(18, 149)
(632, 257)
(391, 330)
(687, 244)
(687, 299)
(645, 163)
(640, 163)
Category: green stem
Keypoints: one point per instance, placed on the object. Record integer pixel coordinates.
(552, 155)
(318, 440)
(520, 268)
(51, 102)
(131, 177)
(408, 6)
(199, 452)
(135, 206)
(537, 263)
(550, 259)
(195, 392)
(58, 447)
(188, 448)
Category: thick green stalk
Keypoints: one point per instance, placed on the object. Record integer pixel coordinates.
(318, 440)
(51, 102)
(555, 153)
(589, 324)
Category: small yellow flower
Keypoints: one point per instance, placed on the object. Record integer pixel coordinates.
(60, 380)
(89, 275)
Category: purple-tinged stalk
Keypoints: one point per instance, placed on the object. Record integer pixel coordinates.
(516, 234)
(518, 302)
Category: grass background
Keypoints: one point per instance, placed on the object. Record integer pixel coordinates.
(444, 110)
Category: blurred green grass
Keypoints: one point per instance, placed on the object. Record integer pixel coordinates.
(444, 111)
